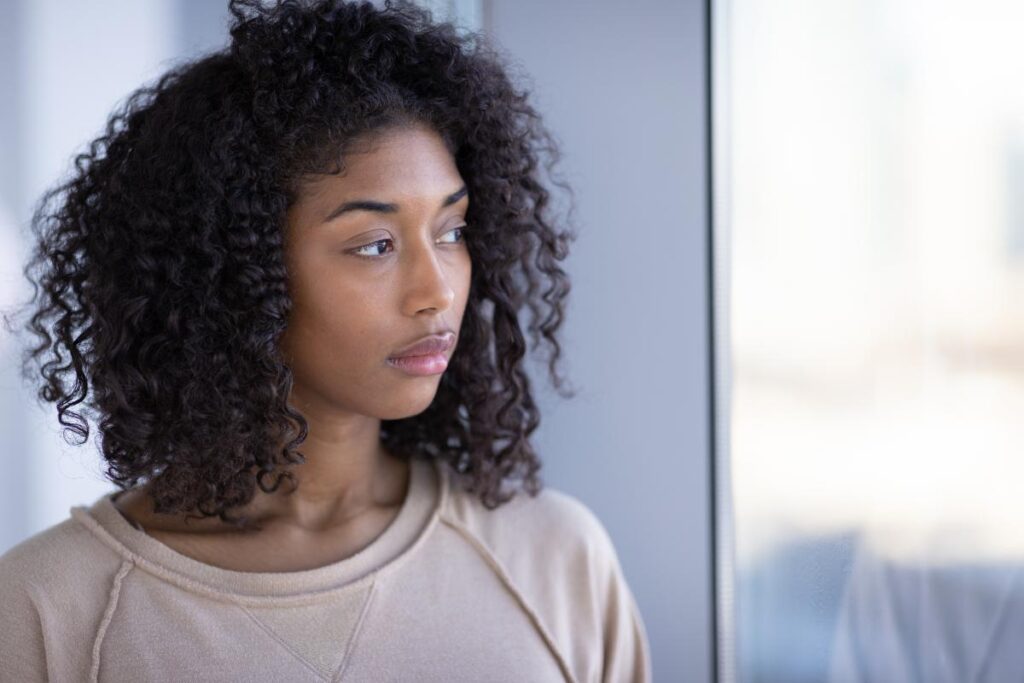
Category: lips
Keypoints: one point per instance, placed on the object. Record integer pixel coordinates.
(435, 343)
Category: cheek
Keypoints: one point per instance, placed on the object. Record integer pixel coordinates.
(337, 321)
(350, 324)
(337, 349)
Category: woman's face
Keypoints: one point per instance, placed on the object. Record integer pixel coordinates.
(373, 277)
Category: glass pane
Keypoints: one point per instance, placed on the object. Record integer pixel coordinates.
(875, 203)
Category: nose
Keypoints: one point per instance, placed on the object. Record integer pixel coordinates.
(429, 288)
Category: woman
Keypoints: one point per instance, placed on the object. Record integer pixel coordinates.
(323, 237)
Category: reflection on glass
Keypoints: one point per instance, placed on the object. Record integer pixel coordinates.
(876, 188)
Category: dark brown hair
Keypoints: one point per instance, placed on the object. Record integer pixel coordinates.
(160, 289)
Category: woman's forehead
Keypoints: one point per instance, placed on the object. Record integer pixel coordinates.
(401, 168)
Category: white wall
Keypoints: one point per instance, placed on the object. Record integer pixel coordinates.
(67, 64)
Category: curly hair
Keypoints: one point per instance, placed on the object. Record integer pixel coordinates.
(158, 266)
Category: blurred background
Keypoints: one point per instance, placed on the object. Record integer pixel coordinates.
(872, 188)
(621, 87)
(797, 412)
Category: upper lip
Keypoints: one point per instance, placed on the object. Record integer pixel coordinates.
(432, 343)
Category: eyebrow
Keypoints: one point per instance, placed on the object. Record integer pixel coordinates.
(381, 207)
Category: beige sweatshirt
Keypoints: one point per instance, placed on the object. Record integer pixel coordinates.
(450, 591)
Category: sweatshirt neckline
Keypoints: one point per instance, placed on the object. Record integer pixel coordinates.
(428, 487)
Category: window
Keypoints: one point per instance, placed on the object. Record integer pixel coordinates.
(870, 185)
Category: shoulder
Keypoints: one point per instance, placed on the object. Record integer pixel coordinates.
(59, 570)
(552, 524)
(558, 558)
(38, 559)
(53, 587)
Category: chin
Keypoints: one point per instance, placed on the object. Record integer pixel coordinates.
(411, 407)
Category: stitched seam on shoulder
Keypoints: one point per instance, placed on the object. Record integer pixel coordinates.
(355, 633)
(108, 614)
(270, 632)
(499, 570)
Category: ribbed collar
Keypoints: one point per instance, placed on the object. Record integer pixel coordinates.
(428, 489)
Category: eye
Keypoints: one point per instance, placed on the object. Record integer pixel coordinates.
(462, 231)
(365, 251)
(360, 251)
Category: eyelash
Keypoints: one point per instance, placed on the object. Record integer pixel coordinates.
(461, 229)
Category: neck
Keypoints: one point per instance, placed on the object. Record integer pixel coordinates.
(347, 472)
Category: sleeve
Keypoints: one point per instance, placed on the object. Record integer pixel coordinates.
(626, 650)
(22, 652)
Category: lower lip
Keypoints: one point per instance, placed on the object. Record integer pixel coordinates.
(431, 364)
